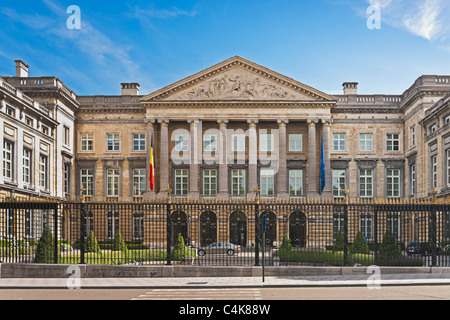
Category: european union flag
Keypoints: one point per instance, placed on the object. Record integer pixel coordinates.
(322, 169)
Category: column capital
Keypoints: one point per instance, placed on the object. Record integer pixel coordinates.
(149, 121)
(326, 122)
(312, 122)
(193, 121)
(163, 121)
(252, 122)
(282, 122)
(222, 121)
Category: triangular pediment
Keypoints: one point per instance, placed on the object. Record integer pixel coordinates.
(238, 79)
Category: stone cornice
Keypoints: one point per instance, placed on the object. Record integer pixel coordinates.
(239, 104)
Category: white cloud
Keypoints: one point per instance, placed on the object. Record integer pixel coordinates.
(424, 18)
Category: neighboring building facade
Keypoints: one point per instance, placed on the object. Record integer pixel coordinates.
(231, 130)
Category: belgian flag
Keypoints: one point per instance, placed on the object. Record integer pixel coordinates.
(152, 167)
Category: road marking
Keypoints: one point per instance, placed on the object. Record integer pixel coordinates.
(201, 294)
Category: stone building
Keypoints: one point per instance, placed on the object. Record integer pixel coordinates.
(230, 130)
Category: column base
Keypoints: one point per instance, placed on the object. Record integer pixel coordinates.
(193, 195)
(150, 195)
(163, 195)
(222, 196)
(313, 195)
(282, 195)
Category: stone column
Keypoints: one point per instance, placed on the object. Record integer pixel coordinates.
(312, 160)
(282, 175)
(223, 163)
(164, 160)
(150, 194)
(252, 159)
(193, 192)
(327, 191)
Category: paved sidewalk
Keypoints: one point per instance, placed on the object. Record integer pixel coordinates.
(225, 282)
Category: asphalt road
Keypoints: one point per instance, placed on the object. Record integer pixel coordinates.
(422, 292)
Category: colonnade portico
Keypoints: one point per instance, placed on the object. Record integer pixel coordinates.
(194, 157)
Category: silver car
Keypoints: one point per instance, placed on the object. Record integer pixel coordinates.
(219, 248)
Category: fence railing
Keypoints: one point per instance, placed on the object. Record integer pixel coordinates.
(227, 233)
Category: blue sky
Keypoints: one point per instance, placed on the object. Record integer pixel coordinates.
(321, 43)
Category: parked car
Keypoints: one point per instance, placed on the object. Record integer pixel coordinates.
(425, 248)
(219, 248)
(413, 248)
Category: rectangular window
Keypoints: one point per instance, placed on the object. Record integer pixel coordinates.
(209, 182)
(338, 224)
(266, 142)
(448, 167)
(43, 163)
(26, 163)
(393, 183)
(393, 142)
(210, 142)
(295, 142)
(393, 224)
(267, 177)
(10, 111)
(365, 183)
(238, 142)
(113, 142)
(296, 182)
(238, 182)
(413, 136)
(413, 182)
(87, 142)
(338, 178)
(366, 226)
(67, 177)
(112, 181)
(365, 142)
(139, 142)
(8, 152)
(138, 225)
(181, 181)
(181, 142)
(29, 121)
(66, 136)
(434, 171)
(112, 224)
(139, 181)
(87, 181)
(45, 130)
(339, 142)
(28, 224)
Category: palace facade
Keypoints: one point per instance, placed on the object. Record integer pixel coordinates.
(229, 131)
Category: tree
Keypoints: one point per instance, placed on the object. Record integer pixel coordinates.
(45, 248)
(91, 243)
(179, 249)
(359, 244)
(339, 243)
(390, 249)
(285, 251)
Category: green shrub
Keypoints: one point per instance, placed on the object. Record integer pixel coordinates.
(119, 244)
(285, 251)
(339, 243)
(389, 250)
(359, 244)
(179, 250)
(45, 248)
(91, 243)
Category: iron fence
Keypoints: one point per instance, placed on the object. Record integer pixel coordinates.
(227, 233)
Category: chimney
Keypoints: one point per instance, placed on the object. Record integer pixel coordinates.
(130, 89)
(350, 88)
(21, 69)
